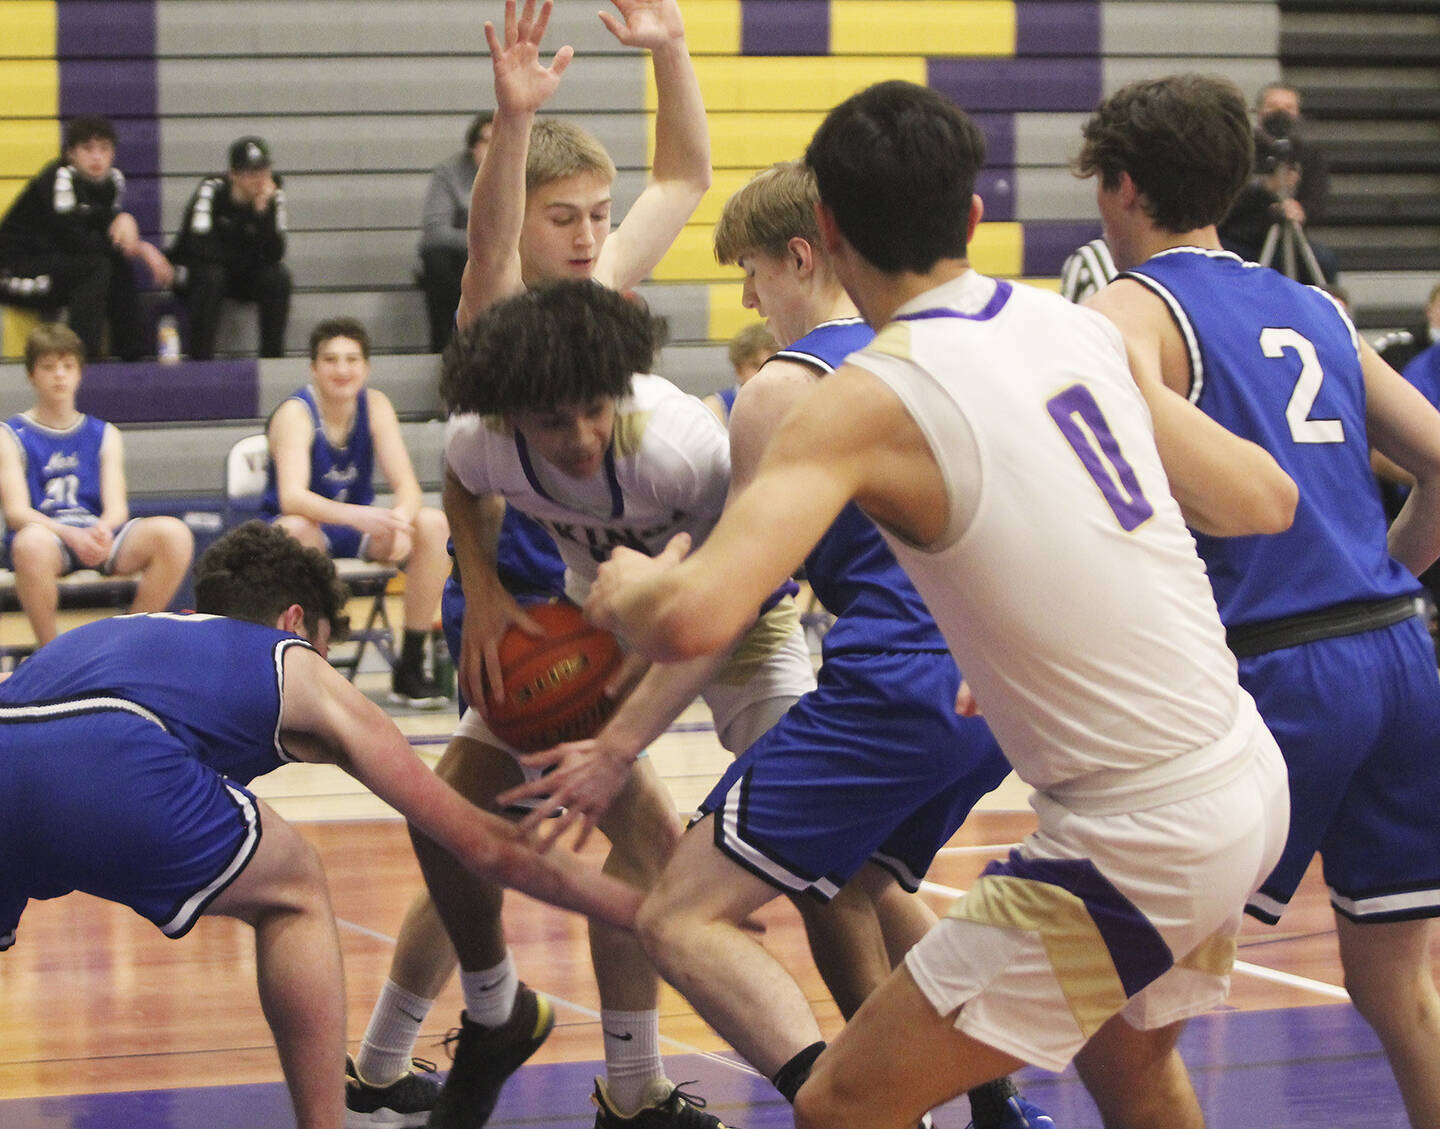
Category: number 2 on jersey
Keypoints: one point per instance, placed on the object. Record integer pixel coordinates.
(1080, 420)
(1273, 343)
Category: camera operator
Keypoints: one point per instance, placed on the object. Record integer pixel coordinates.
(1291, 183)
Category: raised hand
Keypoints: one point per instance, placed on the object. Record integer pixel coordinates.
(522, 82)
(647, 23)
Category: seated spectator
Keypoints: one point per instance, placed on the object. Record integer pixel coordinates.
(1292, 182)
(442, 229)
(62, 488)
(67, 244)
(750, 348)
(325, 442)
(1403, 345)
(1089, 269)
(232, 245)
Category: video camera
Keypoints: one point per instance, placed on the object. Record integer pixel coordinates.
(1275, 142)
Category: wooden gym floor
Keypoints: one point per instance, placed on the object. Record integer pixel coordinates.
(106, 1024)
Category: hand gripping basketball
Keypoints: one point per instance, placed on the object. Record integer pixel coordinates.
(554, 685)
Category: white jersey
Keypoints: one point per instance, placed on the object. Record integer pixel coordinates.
(1067, 585)
(667, 472)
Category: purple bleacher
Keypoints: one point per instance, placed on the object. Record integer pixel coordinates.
(1057, 27)
(106, 50)
(118, 88)
(1047, 245)
(1018, 84)
(999, 131)
(150, 392)
(798, 27)
(137, 146)
(105, 29)
(997, 188)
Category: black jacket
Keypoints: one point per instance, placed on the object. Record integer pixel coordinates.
(218, 230)
(60, 210)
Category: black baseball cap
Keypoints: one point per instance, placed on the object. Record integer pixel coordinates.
(249, 154)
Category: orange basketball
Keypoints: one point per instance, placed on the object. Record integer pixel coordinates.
(554, 685)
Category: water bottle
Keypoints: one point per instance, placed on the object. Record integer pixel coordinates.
(167, 340)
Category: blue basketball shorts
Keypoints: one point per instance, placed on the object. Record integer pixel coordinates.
(1358, 721)
(344, 541)
(873, 763)
(108, 803)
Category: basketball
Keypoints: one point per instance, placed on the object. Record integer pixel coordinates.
(554, 685)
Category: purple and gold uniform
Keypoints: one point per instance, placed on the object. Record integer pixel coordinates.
(125, 746)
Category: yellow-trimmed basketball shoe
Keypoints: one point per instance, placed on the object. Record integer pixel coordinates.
(666, 1106)
(485, 1057)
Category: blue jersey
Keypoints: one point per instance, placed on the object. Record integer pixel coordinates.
(215, 684)
(62, 468)
(1278, 363)
(342, 474)
(1423, 372)
(851, 569)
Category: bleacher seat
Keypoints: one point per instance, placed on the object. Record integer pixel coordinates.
(245, 468)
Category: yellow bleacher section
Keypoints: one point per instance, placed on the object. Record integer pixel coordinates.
(30, 127)
(922, 27)
(15, 325)
(764, 109)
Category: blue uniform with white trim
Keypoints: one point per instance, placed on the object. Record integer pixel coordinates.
(1320, 616)
(344, 473)
(62, 470)
(873, 763)
(125, 746)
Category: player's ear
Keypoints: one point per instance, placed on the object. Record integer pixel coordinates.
(292, 619)
(977, 212)
(801, 253)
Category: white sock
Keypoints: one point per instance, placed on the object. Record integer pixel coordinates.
(389, 1043)
(632, 1056)
(490, 993)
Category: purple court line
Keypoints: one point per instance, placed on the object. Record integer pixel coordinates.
(1301, 1068)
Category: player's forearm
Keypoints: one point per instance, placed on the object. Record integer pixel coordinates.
(474, 536)
(316, 507)
(1414, 537)
(682, 133)
(489, 846)
(659, 698)
(497, 195)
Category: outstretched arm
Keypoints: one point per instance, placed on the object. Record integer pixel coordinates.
(680, 175)
(332, 721)
(523, 84)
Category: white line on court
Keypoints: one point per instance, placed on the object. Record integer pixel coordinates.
(589, 1013)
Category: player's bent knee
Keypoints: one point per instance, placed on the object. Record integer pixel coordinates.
(302, 529)
(174, 540)
(35, 550)
(431, 528)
